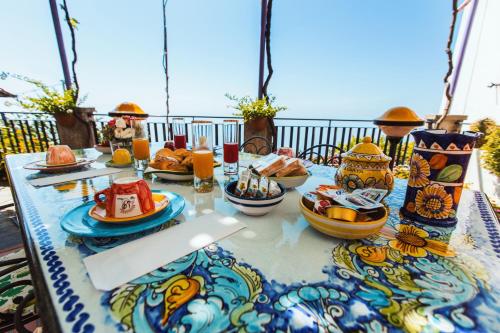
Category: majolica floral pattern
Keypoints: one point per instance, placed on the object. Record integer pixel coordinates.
(410, 277)
(436, 176)
(433, 202)
(351, 181)
(419, 171)
(412, 241)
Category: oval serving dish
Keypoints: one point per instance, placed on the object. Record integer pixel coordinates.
(344, 229)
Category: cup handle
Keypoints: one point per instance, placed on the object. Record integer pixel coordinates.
(97, 199)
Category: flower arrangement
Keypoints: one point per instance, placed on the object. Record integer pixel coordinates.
(250, 108)
(121, 129)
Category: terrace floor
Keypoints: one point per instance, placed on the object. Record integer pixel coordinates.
(11, 236)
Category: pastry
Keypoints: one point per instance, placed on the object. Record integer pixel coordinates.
(291, 165)
(270, 166)
(60, 154)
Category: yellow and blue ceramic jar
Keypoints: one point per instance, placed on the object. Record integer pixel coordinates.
(365, 166)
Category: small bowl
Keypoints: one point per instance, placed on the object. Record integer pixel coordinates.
(343, 229)
(290, 182)
(103, 149)
(253, 206)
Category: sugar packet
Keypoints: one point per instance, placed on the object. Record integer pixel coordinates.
(263, 187)
(242, 185)
(274, 189)
(253, 187)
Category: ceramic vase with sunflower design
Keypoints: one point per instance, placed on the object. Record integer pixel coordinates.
(437, 171)
(365, 166)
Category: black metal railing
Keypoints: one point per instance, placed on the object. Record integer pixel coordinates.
(26, 132)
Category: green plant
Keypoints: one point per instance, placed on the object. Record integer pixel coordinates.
(250, 108)
(50, 100)
(491, 152)
(106, 135)
(485, 126)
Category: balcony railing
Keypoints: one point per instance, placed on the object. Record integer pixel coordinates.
(24, 132)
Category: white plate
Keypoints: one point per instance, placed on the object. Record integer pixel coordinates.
(291, 182)
(170, 175)
(103, 149)
(46, 165)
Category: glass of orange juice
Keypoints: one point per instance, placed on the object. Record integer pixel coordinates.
(140, 144)
(203, 156)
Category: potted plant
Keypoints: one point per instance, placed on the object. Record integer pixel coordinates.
(255, 112)
(491, 151)
(61, 105)
(485, 126)
(73, 122)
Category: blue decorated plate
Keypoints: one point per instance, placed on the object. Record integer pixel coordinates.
(79, 223)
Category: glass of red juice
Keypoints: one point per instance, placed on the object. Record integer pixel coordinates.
(179, 127)
(231, 146)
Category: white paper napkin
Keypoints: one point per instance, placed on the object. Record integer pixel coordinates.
(67, 177)
(112, 268)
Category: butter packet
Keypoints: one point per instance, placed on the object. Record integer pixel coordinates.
(253, 187)
(374, 194)
(274, 189)
(242, 185)
(263, 187)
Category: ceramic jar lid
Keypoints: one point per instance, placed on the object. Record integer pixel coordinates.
(399, 116)
(366, 151)
(128, 109)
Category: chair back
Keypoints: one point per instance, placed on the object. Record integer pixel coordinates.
(325, 154)
(257, 145)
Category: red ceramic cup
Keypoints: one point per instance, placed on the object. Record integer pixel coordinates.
(127, 197)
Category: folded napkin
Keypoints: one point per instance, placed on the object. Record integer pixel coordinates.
(67, 177)
(112, 268)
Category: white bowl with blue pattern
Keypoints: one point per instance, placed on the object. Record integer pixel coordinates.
(252, 206)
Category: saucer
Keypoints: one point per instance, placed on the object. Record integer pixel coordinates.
(170, 175)
(43, 163)
(43, 167)
(78, 222)
(160, 200)
(111, 164)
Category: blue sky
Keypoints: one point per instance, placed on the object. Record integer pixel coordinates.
(332, 58)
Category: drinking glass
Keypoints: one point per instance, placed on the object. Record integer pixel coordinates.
(169, 144)
(203, 156)
(140, 144)
(179, 133)
(231, 146)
